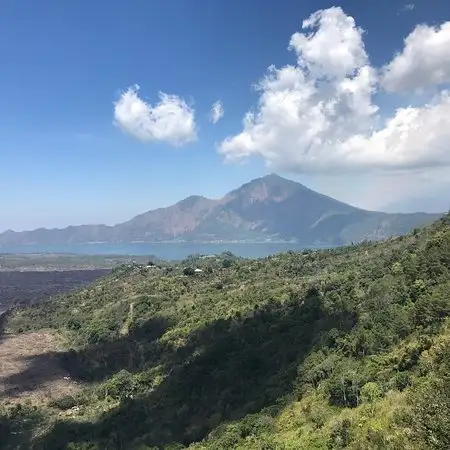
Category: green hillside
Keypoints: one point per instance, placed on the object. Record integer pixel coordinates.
(341, 348)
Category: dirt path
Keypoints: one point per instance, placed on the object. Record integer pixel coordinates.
(30, 369)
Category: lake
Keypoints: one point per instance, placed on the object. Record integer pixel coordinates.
(167, 251)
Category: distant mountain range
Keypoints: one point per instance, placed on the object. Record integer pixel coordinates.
(270, 208)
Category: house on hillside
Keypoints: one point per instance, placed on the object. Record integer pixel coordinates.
(189, 271)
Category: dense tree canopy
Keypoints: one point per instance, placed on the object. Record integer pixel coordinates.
(341, 348)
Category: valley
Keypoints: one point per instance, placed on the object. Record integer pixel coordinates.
(29, 278)
(23, 288)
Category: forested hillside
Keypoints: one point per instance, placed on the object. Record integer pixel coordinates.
(341, 348)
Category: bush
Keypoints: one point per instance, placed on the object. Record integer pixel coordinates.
(400, 381)
(340, 434)
(188, 271)
(370, 392)
(63, 403)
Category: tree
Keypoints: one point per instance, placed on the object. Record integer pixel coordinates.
(188, 271)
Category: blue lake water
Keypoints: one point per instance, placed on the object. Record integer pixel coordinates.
(167, 251)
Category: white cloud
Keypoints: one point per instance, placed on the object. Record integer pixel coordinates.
(408, 7)
(424, 61)
(319, 115)
(217, 112)
(334, 48)
(171, 120)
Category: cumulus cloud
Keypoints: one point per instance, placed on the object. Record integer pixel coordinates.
(217, 112)
(171, 120)
(334, 48)
(318, 115)
(424, 61)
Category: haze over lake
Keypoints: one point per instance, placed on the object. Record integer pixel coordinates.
(167, 251)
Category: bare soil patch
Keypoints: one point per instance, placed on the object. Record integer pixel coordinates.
(30, 368)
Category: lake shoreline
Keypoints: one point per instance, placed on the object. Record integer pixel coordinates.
(165, 251)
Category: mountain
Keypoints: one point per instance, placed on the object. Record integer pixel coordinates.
(341, 348)
(267, 208)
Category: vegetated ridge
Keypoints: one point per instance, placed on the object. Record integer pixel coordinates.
(268, 208)
(340, 348)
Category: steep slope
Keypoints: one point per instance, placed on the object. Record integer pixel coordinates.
(267, 208)
(275, 207)
(167, 223)
(342, 348)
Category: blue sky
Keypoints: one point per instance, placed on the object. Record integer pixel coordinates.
(65, 65)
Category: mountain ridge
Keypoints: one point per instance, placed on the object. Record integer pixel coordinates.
(264, 209)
